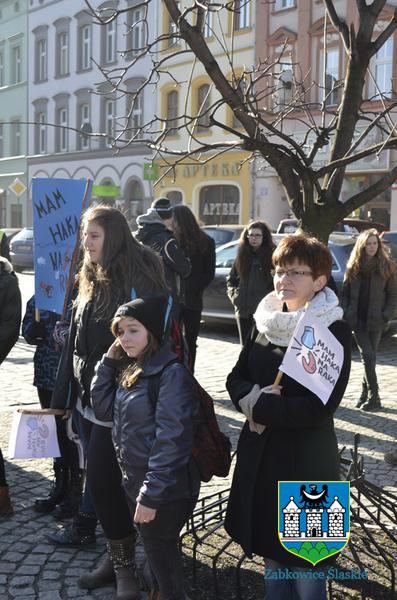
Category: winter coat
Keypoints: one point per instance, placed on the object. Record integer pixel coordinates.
(245, 294)
(4, 246)
(177, 267)
(46, 356)
(382, 301)
(89, 338)
(153, 443)
(298, 444)
(203, 272)
(10, 308)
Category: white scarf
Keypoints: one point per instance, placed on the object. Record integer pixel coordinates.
(278, 326)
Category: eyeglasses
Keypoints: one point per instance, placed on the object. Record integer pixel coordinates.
(290, 273)
(255, 235)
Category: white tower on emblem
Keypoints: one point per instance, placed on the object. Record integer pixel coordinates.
(291, 519)
(335, 519)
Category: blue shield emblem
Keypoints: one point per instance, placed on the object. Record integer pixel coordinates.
(314, 518)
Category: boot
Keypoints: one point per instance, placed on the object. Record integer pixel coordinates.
(57, 493)
(70, 505)
(80, 533)
(372, 405)
(5, 502)
(100, 576)
(121, 554)
(364, 395)
(391, 457)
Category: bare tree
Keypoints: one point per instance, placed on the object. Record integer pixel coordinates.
(260, 126)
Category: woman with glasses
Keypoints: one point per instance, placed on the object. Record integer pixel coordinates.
(249, 278)
(369, 298)
(289, 432)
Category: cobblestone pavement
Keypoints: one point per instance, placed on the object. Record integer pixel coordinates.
(32, 568)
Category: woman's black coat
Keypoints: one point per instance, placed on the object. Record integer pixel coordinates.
(202, 273)
(298, 444)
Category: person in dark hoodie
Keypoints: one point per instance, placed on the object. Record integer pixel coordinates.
(10, 321)
(154, 231)
(4, 245)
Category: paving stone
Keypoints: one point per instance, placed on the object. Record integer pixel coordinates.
(21, 581)
(28, 570)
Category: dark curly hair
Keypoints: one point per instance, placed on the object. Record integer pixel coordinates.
(245, 255)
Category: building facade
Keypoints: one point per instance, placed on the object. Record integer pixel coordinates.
(14, 205)
(295, 31)
(218, 187)
(76, 113)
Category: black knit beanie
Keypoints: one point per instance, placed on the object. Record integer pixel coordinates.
(163, 208)
(150, 310)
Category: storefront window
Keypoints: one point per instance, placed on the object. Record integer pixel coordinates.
(219, 205)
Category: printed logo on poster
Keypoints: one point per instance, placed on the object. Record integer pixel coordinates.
(314, 518)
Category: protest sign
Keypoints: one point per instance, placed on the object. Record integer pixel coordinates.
(314, 357)
(33, 436)
(57, 207)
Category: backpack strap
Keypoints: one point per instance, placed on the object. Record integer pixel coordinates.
(154, 383)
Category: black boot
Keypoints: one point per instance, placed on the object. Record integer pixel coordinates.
(57, 493)
(70, 505)
(99, 577)
(373, 404)
(121, 553)
(80, 533)
(364, 395)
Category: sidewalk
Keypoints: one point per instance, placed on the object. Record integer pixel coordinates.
(32, 568)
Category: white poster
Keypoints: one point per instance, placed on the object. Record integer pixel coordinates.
(314, 357)
(33, 436)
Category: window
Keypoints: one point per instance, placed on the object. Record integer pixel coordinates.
(283, 4)
(42, 133)
(219, 205)
(1, 140)
(172, 31)
(172, 108)
(241, 92)
(109, 122)
(16, 215)
(207, 30)
(63, 53)
(16, 64)
(84, 124)
(85, 47)
(41, 49)
(283, 81)
(203, 104)
(241, 14)
(110, 42)
(382, 71)
(137, 38)
(2, 77)
(15, 137)
(331, 94)
(137, 116)
(62, 131)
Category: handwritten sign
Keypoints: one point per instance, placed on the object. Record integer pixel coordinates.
(314, 357)
(33, 436)
(57, 206)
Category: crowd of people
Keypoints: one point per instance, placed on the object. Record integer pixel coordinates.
(135, 311)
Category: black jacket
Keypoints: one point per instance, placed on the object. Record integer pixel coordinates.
(203, 272)
(298, 444)
(4, 246)
(382, 301)
(245, 294)
(10, 308)
(153, 443)
(176, 265)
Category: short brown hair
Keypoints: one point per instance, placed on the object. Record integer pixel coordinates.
(306, 250)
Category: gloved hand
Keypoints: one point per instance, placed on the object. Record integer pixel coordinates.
(37, 332)
(61, 332)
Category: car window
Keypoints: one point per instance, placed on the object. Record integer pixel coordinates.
(225, 257)
(220, 236)
(25, 234)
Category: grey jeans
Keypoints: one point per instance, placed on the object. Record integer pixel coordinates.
(368, 342)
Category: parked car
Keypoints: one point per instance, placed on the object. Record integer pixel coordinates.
(389, 236)
(21, 249)
(349, 226)
(222, 234)
(11, 232)
(217, 305)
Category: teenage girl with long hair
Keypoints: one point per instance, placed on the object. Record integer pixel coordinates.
(200, 249)
(115, 268)
(369, 298)
(249, 279)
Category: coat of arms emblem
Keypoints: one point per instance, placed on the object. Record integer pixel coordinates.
(314, 518)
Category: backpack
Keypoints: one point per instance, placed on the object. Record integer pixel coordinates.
(212, 448)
